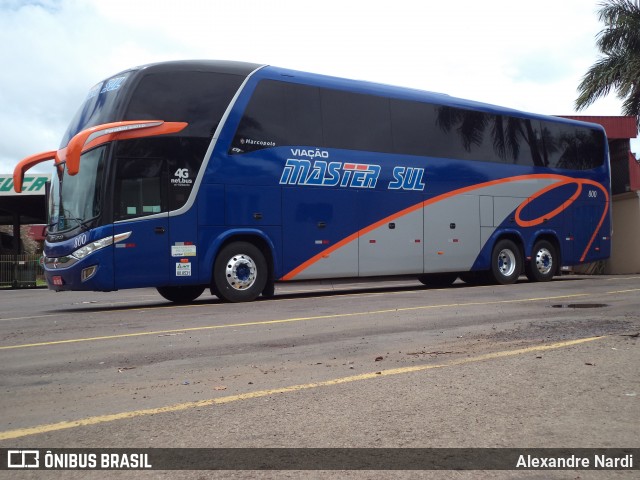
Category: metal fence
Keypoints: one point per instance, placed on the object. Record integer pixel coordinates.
(21, 271)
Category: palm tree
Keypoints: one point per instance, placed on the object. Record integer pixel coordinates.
(619, 65)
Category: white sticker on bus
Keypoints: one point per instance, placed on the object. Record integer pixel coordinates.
(183, 269)
(183, 250)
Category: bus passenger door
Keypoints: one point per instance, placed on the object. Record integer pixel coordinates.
(140, 206)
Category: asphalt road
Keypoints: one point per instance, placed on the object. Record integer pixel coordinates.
(385, 364)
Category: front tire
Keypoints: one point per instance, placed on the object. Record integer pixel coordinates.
(543, 263)
(186, 294)
(240, 273)
(506, 262)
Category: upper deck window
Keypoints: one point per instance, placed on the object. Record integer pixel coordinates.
(278, 114)
(287, 114)
(198, 98)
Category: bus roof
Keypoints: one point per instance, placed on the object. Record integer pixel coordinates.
(218, 66)
(358, 86)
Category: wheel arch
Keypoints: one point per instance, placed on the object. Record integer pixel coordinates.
(512, 235)
(482, 262)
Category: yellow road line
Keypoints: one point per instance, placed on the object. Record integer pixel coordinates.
(304, 319)
(31, 317)
(53, 427)
(290, 320)
(623, 291)
(112, 307)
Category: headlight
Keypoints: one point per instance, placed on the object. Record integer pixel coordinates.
(92, 247)
(88, 249)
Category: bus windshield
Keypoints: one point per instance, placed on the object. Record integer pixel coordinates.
(75, 200)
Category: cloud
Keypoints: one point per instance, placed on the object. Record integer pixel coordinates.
(42, 88)
(529, 56)
(57, 50)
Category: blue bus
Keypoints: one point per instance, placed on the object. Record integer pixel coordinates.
(232, 176)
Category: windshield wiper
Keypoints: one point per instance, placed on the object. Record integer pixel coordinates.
(81, 223)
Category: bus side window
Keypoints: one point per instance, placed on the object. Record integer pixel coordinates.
(140, 188)
(279, 113)
(572, 148)
(183, 170)
(356, 121)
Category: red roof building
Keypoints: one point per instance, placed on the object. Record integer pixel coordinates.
(625, 169)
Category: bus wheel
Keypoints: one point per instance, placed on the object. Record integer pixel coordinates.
(506, 262)
(240, 273)
(184, 294)
(543, 262)
(437, 279)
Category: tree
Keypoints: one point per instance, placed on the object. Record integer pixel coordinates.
(619, 66)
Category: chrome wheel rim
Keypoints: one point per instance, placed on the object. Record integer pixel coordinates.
(241, 272)
(544, 261)
(506, 262)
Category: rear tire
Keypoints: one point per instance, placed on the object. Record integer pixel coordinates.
(543, 264)
(186, 294)
(240, 273)
(506, 262)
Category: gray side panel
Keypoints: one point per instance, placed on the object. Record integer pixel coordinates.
(452, 234)
(393, 248)
(341, 263)
(504, 206)
(486, 211)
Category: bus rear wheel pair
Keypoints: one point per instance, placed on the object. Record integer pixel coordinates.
(507, 262)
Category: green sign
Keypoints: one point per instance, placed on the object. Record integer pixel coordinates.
(32, 184)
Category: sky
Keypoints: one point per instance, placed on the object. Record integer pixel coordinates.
(525, 55)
